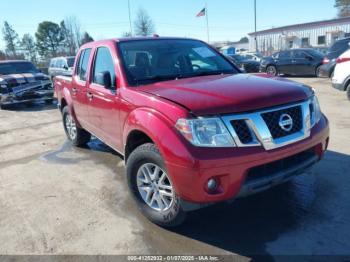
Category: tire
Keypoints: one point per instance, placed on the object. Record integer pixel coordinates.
(145, 169)
(348, 91)
(78, 136)
(271, 70)
(318, 71)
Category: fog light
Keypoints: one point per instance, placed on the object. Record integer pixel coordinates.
(212, 184)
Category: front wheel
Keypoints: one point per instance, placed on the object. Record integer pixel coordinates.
(348, 91)
(271, 70)
(152, 188)
(78, 136)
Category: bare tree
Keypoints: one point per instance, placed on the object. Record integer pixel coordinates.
(126, 34)
(29, 48)
(68, 46)
(143, 24)
(73, 34)
(2, 55)
(86, 38)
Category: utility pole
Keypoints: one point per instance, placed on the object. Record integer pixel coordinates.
(255, 36)
(130, 17)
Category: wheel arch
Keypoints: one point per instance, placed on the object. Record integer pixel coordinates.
(67, 99)
(347, 84)
(147, 125)
(135, 139)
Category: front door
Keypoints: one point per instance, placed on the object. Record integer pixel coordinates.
(284, 62)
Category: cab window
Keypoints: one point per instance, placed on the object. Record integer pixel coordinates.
(104, 63)
(284, 55)
(83, 64)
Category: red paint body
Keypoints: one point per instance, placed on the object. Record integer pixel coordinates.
(154, 109)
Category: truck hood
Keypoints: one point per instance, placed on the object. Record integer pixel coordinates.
(221, 94)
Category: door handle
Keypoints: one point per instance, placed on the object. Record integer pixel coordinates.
(89, 96)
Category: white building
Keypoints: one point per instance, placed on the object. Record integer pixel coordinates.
(319, 34)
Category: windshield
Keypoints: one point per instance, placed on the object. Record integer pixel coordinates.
(17, 68)
(148, 61)
(70, 61)
(315, 53)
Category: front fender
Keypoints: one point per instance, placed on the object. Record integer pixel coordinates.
(162, 132)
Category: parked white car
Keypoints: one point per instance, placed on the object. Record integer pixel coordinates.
(251, 56)
(341, 78)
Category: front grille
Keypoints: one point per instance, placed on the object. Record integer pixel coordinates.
(272, 121)
(242, 130)
(279, 165)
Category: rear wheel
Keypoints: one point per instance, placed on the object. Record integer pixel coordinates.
(318, 71)
(348, 91)
(152, 188)
(271, 70)
(78, 136)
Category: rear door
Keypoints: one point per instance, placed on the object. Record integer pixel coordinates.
(284, 62)
(104, 103)
(79, 88)
(302, 63)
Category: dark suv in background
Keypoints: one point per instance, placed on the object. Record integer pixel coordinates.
(330, 59)
(293, 62)
(61, 66)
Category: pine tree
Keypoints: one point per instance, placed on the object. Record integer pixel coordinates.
(343, 7)
(11, 39)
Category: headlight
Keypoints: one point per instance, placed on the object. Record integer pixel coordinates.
(315, 111)
(205, 132)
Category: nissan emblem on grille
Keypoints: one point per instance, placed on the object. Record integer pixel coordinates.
(286, 122)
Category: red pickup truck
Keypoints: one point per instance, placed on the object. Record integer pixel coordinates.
(192, 128)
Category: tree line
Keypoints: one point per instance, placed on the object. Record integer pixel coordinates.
(50, 40)
(343, 7)
(63, 39)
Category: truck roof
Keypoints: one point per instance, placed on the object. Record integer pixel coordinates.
(127, 39)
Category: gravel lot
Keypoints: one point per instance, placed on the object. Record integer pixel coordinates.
(56, 199)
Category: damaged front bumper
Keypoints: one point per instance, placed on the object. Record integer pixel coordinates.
(33, 92)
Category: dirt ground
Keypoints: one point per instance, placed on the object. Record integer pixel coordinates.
(56, 199)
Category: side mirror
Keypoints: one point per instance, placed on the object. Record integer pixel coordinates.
(104, 79)
(65, 67)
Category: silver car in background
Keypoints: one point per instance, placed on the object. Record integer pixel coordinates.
(61, 66)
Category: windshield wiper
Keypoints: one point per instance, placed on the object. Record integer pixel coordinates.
(158, 78)
(208, 73)
(179, 76)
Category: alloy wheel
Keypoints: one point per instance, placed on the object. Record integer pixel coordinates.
(155, 187)
(71, 127)
(271, 70)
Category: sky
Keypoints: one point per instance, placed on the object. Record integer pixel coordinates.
(228, 19)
